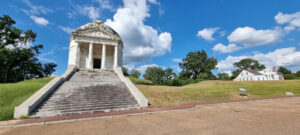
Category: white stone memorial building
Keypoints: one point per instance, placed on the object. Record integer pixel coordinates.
(93, 82)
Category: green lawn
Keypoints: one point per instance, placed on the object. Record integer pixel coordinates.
(13, 94)
(139, 81)
(208, 91)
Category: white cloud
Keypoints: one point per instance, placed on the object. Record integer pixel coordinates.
(105, 4)
(34, 9)
(226, 49)
(177, 60)
(250, 37)
(66, 29)
(92, 12)
(142, 42)
(154, 2)
(40, 20)
(293, 20)
(287, 57)
(207, 33)
(144, 67)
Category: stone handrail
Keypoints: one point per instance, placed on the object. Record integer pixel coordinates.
(32, 102)
(141, 99)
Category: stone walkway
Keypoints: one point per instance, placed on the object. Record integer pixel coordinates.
(274, 116)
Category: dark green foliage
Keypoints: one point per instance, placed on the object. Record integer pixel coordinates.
(298, 73)
(223, 76)
(185, 75)
(289, 76)
(284, 70)
(248, 63)
(125, 71)
(154, 74)
(135, 73)
(169, 74)
(48, 69)
(173, 82)
(18, 60)
(198, 63)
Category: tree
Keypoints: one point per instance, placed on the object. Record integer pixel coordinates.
(223, 76)
(135, 73)
(248, 63)
(154, 74)
(245, 64)
(284, 70)
(169, 74)
(125, 71)
(18, 59)
(48, 69)
(198, 63)
(298, 73)
(185, 75)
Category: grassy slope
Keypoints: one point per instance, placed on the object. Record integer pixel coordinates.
(13, 94)
(139, 81)
(207, 91)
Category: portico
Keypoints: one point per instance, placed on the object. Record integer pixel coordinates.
(95, 47)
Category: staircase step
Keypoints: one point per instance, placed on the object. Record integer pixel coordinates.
(87, 92)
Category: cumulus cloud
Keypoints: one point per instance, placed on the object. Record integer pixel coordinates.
(250, 37)
(207, 33)
(144, 67)
(66, 29)
(142, 42)
(287, 57)
(177, 60)
(226, 49)
(40, 20)
(292, 20)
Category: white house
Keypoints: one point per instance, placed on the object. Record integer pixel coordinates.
(259, 75)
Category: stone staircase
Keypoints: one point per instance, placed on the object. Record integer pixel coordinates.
(87, 92)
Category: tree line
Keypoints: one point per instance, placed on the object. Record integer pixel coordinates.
(18, 59)
(197, 66)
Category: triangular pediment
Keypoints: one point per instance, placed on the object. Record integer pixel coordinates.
(96, 33)
(92, 30)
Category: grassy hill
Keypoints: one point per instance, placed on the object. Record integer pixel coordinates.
(139, 81)
(13, 94)
(208, 91)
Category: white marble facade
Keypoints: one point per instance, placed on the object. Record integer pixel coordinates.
(95, 46)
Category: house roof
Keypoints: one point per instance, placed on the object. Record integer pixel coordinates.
(254, 71)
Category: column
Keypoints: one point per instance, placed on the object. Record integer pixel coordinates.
(90, 62)
(75, 54)
(103, 56)
(78, 55)
(116, 57)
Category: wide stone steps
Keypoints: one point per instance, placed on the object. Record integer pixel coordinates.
(49, 114)
(79, 109)
(87, 92)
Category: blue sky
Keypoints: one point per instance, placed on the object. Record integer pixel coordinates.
(161, 32)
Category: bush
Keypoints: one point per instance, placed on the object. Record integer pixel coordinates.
(289, 76)
(173, 82)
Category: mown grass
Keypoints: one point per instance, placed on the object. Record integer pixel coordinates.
(13, 94)
(139, 81)
(209, 91)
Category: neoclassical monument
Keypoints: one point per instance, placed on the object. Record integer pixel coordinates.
(93, 81)
(95, 45)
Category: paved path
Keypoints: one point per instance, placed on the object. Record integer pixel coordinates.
(267, 117)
